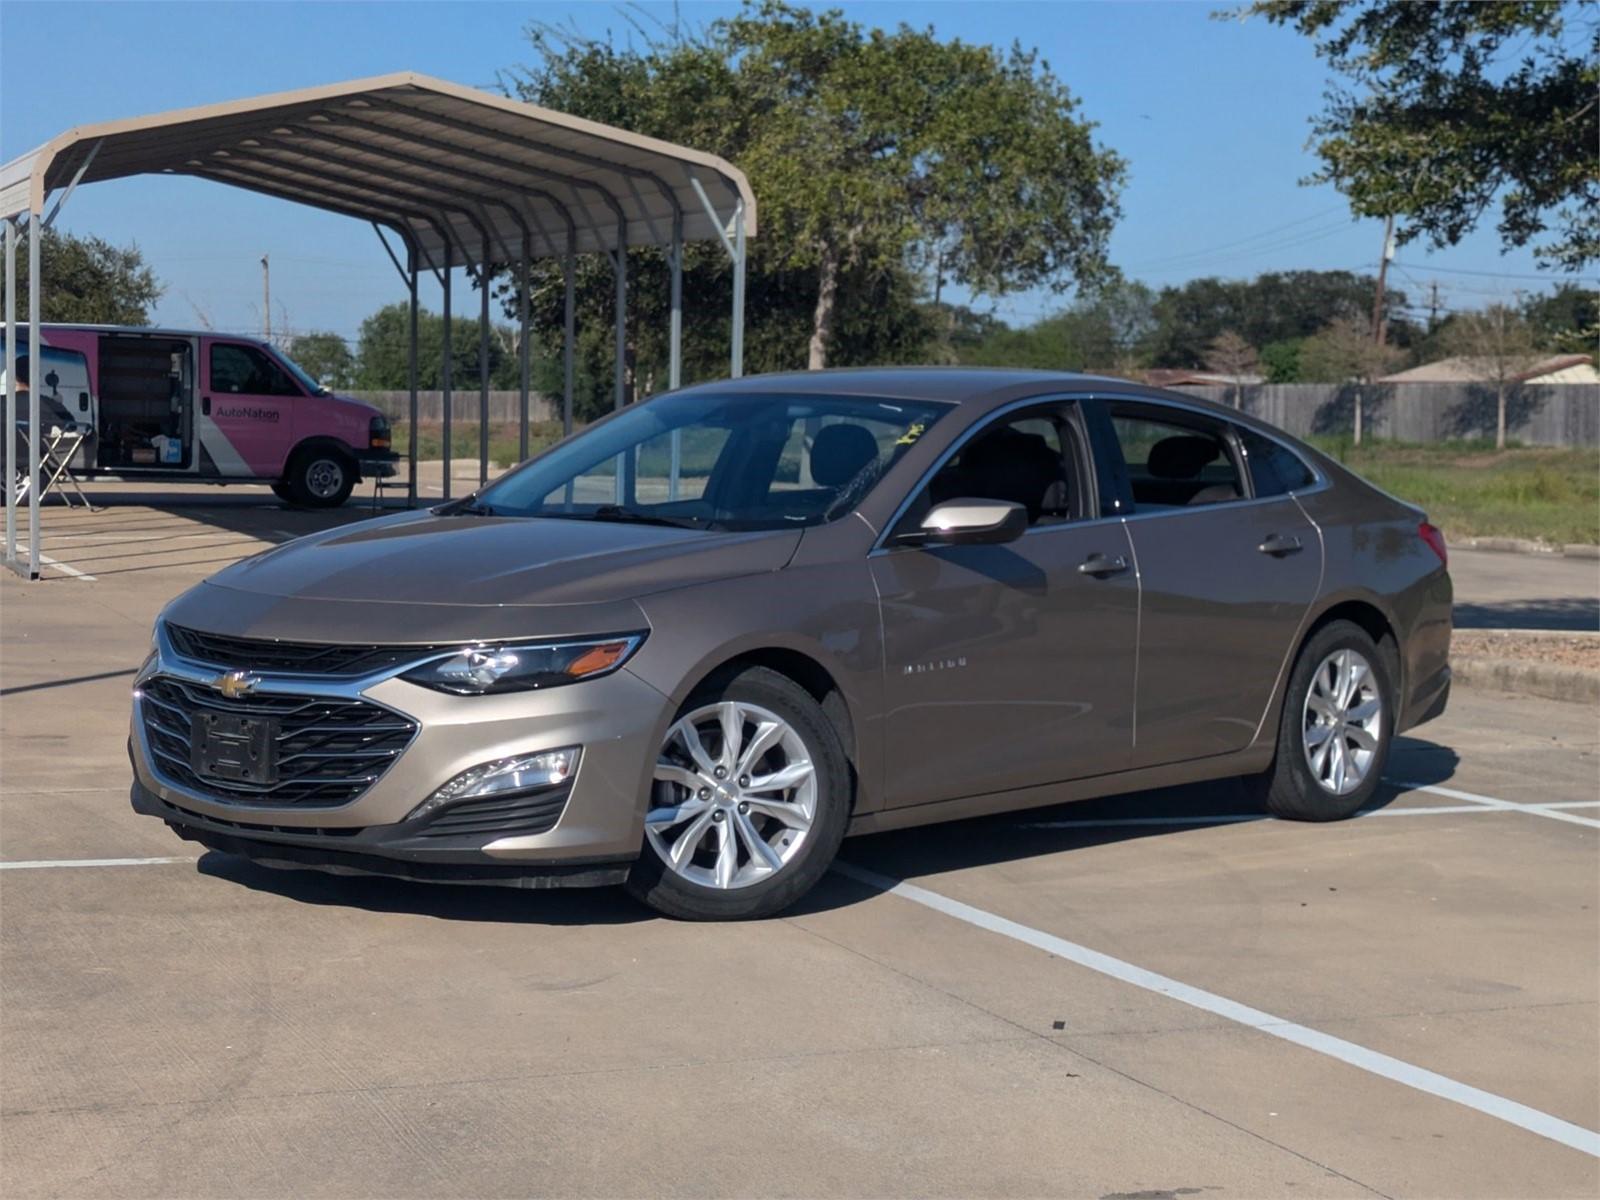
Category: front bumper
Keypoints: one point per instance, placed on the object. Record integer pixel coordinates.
(615, 719)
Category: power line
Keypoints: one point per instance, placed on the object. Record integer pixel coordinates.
(1544, 278)
(1257, 236)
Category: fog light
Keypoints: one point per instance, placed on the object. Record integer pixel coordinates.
(504, 777)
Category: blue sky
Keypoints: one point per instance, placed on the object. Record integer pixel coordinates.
(1210, 115)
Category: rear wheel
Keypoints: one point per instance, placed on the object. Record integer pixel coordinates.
(1335, 731)
(319, 478)
(280, 489)
(748, 804)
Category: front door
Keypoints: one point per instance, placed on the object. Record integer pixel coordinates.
(1227, 573)
(1009, 666)
(247, 408)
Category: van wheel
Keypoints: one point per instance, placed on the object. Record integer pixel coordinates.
(320, 479)
(280, 489)
(1335, 731)
(748, 804)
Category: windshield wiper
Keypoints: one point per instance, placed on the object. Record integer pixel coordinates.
(469, 506)
(616, 512)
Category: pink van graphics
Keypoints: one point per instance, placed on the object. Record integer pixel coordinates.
(203, 408)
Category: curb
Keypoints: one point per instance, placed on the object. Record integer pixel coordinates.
(1573, 684)
(1505, 545)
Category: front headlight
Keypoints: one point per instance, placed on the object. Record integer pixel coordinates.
(486, 670)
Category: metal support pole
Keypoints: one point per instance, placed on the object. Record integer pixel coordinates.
(738, 289)
(483, 365)
(675, 347)
(619, 373)
(444, 367)
(35, 384)
(523, 356)
(411, 378)
(675, 329)
(10, 477)
(569, 331)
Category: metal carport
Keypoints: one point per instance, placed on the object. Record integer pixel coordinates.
(459, 176)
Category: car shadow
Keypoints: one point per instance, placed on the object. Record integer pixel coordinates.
(901, 854)
(440, 901)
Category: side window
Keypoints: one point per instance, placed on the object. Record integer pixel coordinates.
(1026, 459)
(1274, 468)
(247, 371)
(1174, 462)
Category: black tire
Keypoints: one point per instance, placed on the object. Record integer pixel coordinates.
(668, 892)
(320, 478)
(280, 489)
(1291, 788)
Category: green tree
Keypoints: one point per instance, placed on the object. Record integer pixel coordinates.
(872, 153)
(1566, 320)
(1448, 106)
(325, 357)
(1106, 330)
(1280, 361)
(87, 280)
(1273, 307)
(382, 349)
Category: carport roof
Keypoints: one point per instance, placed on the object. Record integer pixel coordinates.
(417, 154)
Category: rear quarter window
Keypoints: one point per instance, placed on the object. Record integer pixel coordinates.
(1274, 468)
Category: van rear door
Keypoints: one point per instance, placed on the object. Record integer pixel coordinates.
(247, 409)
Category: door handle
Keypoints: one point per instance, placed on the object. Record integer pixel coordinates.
(1100, 566)
(205, 405)
(1280, 546)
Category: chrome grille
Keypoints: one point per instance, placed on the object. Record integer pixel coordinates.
(329, 750)
(269, 655)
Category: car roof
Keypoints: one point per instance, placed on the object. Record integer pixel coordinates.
(980, 387)
(147, 330)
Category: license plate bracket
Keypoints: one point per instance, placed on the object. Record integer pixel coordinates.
(234, 749)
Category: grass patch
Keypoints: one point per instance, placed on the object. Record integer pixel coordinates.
(1471, 490)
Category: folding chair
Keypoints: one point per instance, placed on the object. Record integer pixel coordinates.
(60, 439)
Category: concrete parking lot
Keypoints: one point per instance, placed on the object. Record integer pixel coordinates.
(1152, 996)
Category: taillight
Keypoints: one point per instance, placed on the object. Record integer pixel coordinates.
(1435, 539)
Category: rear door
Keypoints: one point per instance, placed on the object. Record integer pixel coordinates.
(1011, 665)
(1226, 575)
(247, 411)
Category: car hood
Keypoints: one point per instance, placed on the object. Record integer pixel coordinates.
(424, 576)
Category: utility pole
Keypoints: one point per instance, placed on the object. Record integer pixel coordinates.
(266, 300)
(1433, 305)
(1380, 330)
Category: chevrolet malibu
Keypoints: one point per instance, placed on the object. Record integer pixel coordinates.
(693, 647)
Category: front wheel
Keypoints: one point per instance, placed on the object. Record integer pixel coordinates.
(320, 479)
(748, 803)
(1335, 731)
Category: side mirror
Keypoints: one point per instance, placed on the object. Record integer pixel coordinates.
(969, 523)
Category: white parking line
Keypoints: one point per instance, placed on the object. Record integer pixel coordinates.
(43, 863)
(46, 560)
(1537, 810)
(1371, 1061)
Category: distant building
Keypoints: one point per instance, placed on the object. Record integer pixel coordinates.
(1556, 368)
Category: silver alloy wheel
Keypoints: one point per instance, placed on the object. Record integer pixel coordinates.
(324, 478)
(734, 798)
(1343, 720)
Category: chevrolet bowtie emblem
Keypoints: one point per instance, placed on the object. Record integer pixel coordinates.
(235, 684)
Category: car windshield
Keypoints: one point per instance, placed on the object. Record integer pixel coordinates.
(311, 386)
(717, 461)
